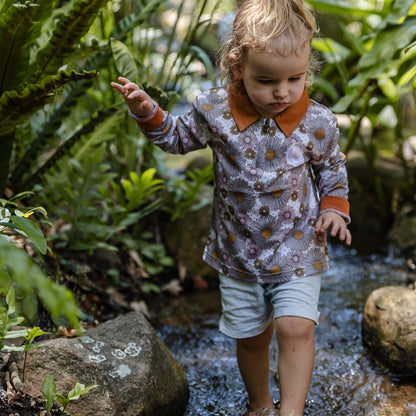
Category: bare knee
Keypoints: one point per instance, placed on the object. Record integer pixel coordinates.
(294, 328)
(258, 342)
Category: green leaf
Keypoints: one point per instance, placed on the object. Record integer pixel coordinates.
(17, 267)
(327, 87)
(408, 77)
(23, 170)
(344, 7)
(17, 106)
(62, 399)
(128, 188)
(342, 105)
(79, 390)
(11, 301)
(333, 51)
(32, 231)
(48, 389)
(18, 333)
(102, 126)
(388, 87)
(15, 25)
(204, 58)
(33, 333)
(124, 60)
(20, 348)
(70, 28)
(386, 44)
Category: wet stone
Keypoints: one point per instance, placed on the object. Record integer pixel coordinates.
(389, 328)
(134, 371)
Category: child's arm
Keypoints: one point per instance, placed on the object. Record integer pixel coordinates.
(173, 134)
(334, 222)
(139, 103)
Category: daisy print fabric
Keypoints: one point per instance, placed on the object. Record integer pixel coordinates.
(266, 201)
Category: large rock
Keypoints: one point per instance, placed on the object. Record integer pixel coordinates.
(389, 328)
(135, 373)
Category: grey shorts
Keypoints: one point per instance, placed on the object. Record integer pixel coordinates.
(249, 308)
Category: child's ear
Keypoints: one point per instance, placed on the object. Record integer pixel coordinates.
(235, 66)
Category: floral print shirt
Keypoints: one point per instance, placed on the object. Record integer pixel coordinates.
(273, 178)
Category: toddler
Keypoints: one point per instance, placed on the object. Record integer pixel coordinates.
(280, 185)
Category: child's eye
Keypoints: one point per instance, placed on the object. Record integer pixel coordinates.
(265, 81)
(294, 79)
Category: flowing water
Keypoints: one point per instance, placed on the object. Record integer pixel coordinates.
(346, 382)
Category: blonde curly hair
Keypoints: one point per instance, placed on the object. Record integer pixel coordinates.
(283, 27)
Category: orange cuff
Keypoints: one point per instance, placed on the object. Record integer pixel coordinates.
(154, 122)
(337, 203)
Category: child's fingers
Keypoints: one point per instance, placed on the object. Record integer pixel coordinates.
(335, 229)
(123, 80)
(139, 96)
(124, 89)
(118, 87)
(337, 226)
(130, 91)
(344, 234)
(322, 225)
(348, 238)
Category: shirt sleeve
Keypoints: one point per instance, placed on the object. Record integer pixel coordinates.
(331, 176)
(177, 134)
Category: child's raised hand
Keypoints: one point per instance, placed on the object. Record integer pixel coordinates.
(334, 222)
(139, 103)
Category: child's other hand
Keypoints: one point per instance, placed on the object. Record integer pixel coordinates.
(139, 103)
(335, 223)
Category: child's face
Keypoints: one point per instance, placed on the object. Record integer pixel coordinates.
(273, 82)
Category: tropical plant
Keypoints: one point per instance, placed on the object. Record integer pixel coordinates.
(30, 71)
(53, 148)
(370, 75)
(51, 37)
(15, 221)
(19, 274)
(49, 390)
(370, 63)
(95, 214)
(9, 319)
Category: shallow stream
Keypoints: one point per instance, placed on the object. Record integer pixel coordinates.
(346, 382)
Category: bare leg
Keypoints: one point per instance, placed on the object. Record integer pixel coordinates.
(253, 361)
(295, 337)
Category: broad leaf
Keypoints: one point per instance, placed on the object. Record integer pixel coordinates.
(344, 7)
(79, 390)
(32, 231)
(48, 389)
(29, 279)
(386, 44)
(124, 60)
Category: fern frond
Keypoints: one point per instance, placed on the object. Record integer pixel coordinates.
(15, 25)
(48, 132)
(15, 106)
(65, 148)
(70, 28)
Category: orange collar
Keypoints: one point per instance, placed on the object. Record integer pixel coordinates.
(245, 114)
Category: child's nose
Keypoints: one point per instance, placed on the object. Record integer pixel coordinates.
(280, 91)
